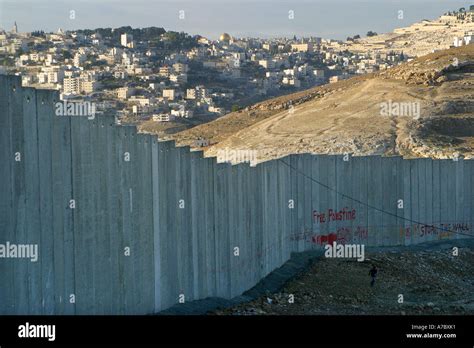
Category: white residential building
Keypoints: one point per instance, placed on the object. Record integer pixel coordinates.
(180, 68)
(267, 63)
(87, 86)
(170, 94)
(71, 85)
(181, 78)
(120, 74)
(164, 71)
(181, 112)
(79, 59)
(124, 92)
(78, 85)
(302, 47)
(291, 81)
(199, 92)
(163, 117)
(126, 40)
(319, 73)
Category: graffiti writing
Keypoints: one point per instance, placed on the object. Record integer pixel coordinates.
(440, 231)
(345, 214)
(361, 233)
(342, 235)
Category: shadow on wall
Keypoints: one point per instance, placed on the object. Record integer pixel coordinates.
(125, 224)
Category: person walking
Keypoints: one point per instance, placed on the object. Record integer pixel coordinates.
(373, 273)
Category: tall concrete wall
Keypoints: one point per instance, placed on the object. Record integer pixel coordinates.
(134, 237)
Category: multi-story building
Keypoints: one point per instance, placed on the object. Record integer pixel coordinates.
(163, 117)
(181, 112)
(79, 58)
(78, 85)
(120, 74)
(71, 85)
(87, 86)
(216, 110)
(169, 94)
(42, 77)
(199, 92)
(164, 71)
(126, 40)
(302, 47)
(181, 78)
(267, 63)
(291, 81)
(180, 68)
(124, 92)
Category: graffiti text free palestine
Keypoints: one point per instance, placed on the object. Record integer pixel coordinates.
(344, 214)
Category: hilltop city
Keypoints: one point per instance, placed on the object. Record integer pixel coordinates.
(164, 76)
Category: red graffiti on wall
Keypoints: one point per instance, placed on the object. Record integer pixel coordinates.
(343, 235)
(325, 239)
(405, 231)
(345, 214)
(441, 230)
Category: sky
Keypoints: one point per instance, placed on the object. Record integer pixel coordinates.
(334, 19)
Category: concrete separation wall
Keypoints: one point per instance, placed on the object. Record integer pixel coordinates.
(126, 224)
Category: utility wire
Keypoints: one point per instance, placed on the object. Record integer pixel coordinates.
(368, 205)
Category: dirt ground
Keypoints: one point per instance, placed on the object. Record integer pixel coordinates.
(431, 282)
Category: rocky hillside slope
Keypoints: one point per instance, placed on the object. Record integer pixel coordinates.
(423, 108)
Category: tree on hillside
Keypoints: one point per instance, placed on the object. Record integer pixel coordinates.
(371, 33)
(38, 33)
(66, 54)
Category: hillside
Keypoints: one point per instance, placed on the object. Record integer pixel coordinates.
(416, 40)
(433, 95)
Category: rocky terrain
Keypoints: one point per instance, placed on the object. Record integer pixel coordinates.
(431, 282)
(434, 116)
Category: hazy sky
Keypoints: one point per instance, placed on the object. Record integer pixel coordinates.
(263, 18)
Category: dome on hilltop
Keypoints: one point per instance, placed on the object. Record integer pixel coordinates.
(225, 37)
